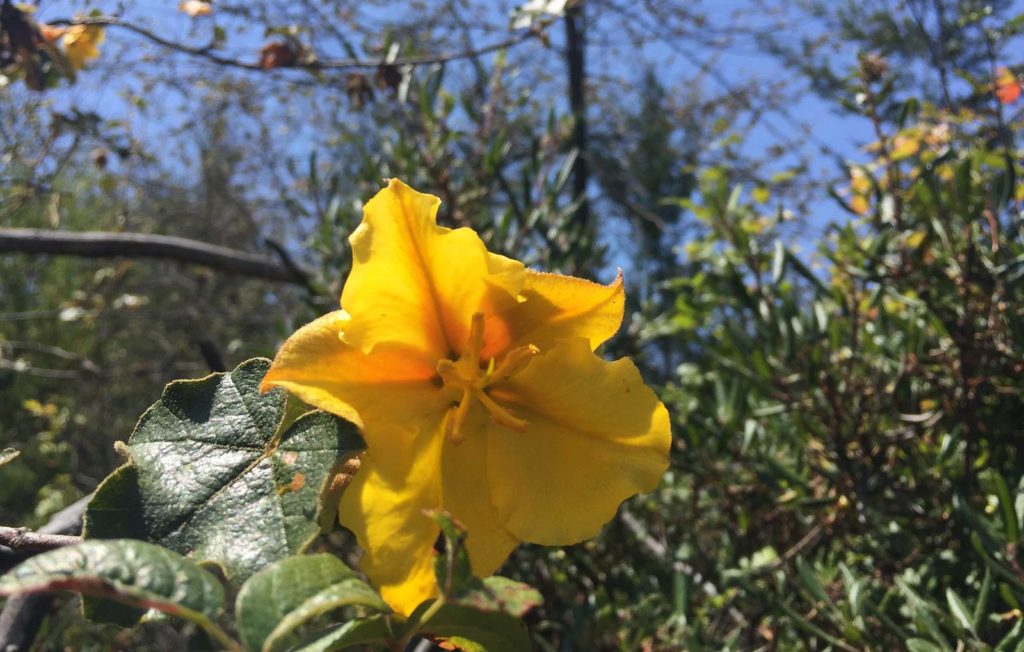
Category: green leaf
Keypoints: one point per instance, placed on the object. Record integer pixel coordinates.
(960, 612)
(139, 574)
(922, 645)
(981, 606)
(484, 612)
(489, 615)
(502, 594)
(282, 597)
(810, 581)
(995, 482)
(923, 613)
(218, 472)
(366, 631)
(452, 569)
(494, 631)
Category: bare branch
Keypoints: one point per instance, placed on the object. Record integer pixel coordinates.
(20, 539)
(206, 52)
(99, 244)
(22, 615)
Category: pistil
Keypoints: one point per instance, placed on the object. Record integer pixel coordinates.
(467, 376)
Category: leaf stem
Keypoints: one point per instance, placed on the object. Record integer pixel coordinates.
(215, 632)
(415, 627)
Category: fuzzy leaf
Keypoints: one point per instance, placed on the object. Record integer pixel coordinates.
(280, 598)
(133, 572)
(217, 471)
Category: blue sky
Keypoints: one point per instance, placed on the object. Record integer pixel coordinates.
(104, 90)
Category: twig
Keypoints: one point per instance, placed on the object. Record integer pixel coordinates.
(20, 539)
(99, 244)
(206, 52)
(23, 614)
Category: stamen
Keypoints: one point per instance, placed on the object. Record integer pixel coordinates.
(457, 418)
(464, 376)
(448, 372)
(514, 362)
(476, 339)
(500, 415)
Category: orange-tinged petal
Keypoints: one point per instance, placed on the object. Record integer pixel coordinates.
(467, 496)
(419, 284)
(383, 506)
(557, 307)
(386, 386)
(1008, 87)
(596, 436)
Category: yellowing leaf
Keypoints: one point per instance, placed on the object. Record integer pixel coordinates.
(904, 147)
(195, 8)
(859, 205)
(761, 194)
(915, 239)
(81, 44)
(860, 183)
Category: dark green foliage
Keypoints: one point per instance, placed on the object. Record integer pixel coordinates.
(847, 472)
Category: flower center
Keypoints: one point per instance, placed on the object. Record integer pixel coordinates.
(470, 380)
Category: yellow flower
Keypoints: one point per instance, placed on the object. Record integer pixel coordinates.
(81, 44)
(476, 386)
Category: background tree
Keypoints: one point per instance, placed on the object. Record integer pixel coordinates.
(845, 473)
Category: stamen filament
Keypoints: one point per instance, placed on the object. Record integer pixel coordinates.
(476, 340)
(457, 418)
(500, 415)
(514, 362)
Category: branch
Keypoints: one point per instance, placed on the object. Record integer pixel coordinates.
(98, 244)
(20, 539)
(23, 614)
(206, 52)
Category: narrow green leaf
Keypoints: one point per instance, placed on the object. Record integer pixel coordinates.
(960, 612)
(922, 645)
(998, 484)
(981, 606)
(1013, 638)
(922, 613)
(803, 623)
(810, 581)
(276, 601)
(217, 473)
(854, 590)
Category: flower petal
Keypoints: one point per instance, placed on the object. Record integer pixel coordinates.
(383, 506)
(557, 307)
(419, 284)
(386, 386)
(467, 496)
(596, 436)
